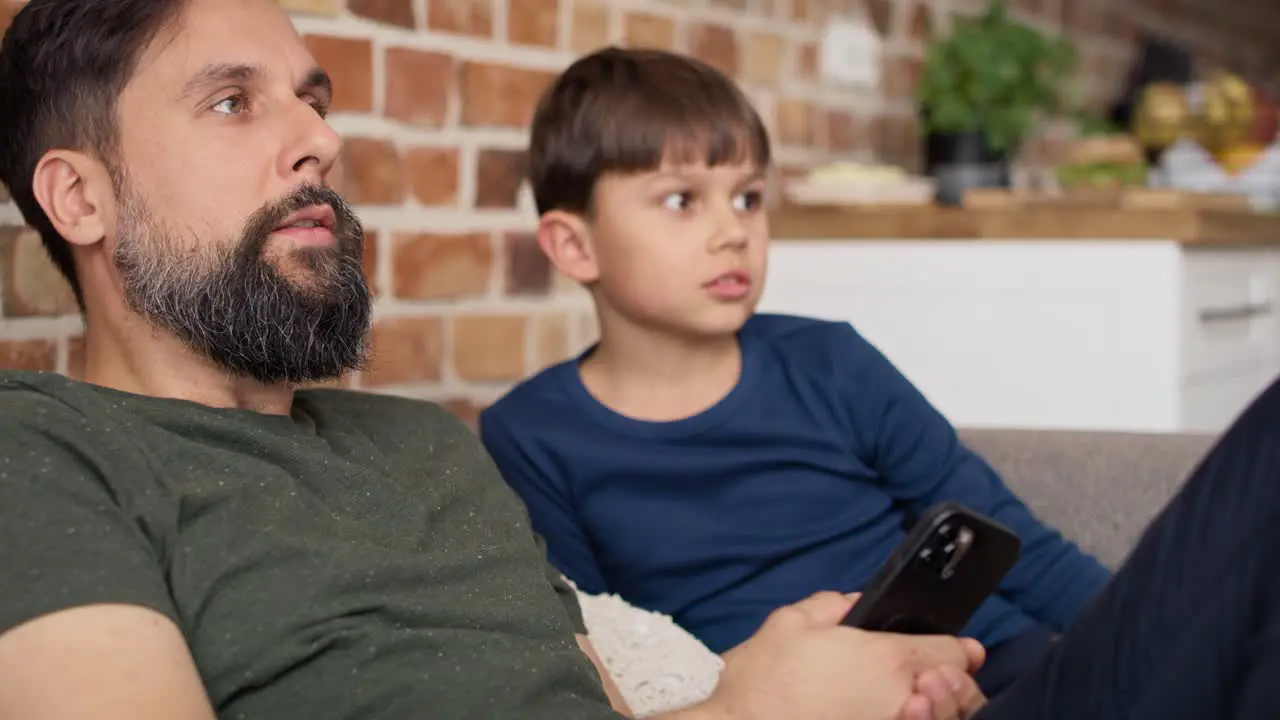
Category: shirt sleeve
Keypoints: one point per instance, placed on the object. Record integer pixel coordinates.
(551, 511)
(65, 539)
(921, 461)
(565, 592)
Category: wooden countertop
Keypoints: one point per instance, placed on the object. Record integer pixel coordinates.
(1188, 226)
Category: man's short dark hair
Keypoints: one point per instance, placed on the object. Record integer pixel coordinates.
(63, 65)
(628, 110)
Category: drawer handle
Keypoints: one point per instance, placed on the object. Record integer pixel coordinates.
(1235, 312)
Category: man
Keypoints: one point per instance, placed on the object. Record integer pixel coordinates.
(185, 536)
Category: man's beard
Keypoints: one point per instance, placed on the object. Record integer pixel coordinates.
(237, 308)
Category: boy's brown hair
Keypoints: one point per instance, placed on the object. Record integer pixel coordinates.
(628, 110)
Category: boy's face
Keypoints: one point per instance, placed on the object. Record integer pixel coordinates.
(682, 248)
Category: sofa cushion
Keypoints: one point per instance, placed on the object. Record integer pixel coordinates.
(1099, 488)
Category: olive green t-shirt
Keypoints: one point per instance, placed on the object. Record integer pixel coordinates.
(359, 559)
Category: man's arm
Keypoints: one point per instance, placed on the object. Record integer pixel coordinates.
(804, 664)
(921, 461)
(100, 662)
(618, 702)
(87, 626)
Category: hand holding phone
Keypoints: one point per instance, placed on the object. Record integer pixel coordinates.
(936, 579)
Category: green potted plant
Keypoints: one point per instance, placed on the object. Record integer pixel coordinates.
(982, 89)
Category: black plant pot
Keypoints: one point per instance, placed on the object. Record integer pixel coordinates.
(960, 161)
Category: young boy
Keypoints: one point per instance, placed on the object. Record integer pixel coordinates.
(702, 460)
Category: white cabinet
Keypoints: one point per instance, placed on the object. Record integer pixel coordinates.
(1126, 334)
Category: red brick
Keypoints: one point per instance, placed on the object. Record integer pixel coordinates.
(807, 60)
(763, 58)
(640, 29)
(433, 175)
(28, 354)
(32, 285)
(350, 63)
(533, 22)
(464, 17)
(499, 175)
(550, 340)
(489, 348)
(405, 350)
(418, 86)
(795, 123)
(715, 45)
(465, 409)
(75, 357)
(590, 26)
(433, 267)
(373, 172)
(528, 272)
(390, 12)
(500, 95)
(369, 261)
(846, 132)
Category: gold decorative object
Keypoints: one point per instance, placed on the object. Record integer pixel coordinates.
(1161, 117)
(1217, 114)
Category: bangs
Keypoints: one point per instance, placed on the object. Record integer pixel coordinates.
(688, 134)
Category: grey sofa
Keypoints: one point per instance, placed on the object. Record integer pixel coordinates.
(1099, 488)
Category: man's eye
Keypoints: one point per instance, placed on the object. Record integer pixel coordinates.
(233, 105)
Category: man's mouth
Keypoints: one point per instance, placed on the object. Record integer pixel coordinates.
(309, 226)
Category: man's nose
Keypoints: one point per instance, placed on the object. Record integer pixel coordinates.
(313, 147)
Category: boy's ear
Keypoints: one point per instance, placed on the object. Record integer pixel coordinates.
(566, 240)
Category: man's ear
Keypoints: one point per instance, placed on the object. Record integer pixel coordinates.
(74, 190)
(566, 240)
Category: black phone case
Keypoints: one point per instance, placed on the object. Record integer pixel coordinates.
(924, 588)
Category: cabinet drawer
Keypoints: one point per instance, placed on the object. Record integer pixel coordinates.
(1231, 310)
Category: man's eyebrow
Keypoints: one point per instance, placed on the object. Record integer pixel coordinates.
(211, 76)
(316, 81)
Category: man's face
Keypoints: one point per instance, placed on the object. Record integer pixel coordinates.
(226, 232)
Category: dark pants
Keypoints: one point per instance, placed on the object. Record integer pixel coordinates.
(1009, 660)
(1190, 625)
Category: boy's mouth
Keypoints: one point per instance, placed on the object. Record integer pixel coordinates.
(733, 285)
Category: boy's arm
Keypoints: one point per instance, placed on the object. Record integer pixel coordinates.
(552, 515)
(921, 461)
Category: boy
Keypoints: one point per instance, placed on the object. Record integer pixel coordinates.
(702, 460)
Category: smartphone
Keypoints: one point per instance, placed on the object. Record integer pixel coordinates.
(949, 563)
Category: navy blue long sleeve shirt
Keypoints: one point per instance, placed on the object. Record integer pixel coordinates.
(803, 478)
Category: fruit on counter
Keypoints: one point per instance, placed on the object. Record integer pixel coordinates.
(1222, 112)
(1161, 115)
(1240, 157)
(1103, 162)
(852, 173)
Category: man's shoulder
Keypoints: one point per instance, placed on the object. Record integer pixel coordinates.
(378, 412)
(41, 400)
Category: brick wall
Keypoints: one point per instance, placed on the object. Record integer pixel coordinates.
(432, 97)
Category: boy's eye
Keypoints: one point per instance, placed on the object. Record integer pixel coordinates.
(750, 200)
(233, 105)
(678, 201)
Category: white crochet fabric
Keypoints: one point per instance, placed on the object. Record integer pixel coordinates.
(657, 666)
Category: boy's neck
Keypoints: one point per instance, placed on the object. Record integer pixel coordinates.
(648, 376)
